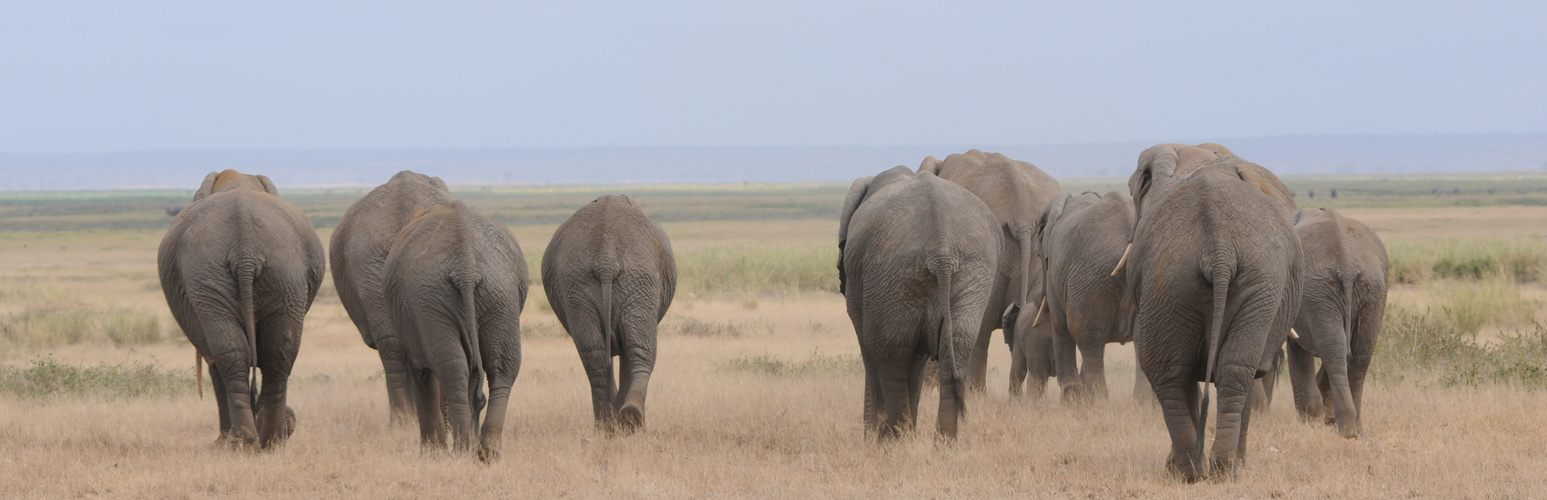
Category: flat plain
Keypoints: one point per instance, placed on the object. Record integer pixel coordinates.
(757, 388)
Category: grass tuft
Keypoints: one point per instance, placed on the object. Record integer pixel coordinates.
(1414, 344)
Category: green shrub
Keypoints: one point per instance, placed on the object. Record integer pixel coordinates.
(1418, 344)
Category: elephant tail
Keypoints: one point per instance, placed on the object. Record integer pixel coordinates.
(1221, 280)
(944, 269)
(470, 344)
(1025, 236)
(246, 273)
(1348, 308)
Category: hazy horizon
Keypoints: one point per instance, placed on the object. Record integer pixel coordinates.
(290, 75)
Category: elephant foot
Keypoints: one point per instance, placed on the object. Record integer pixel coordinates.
(1329, 421)
(1228, 467)
(1077, 395)
(1182, 468)
(289, 427)
(488, 454)
(1350, 431)
(630, 418)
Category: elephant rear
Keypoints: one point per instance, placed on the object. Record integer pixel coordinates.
(239, 268)
(921, 258)
(610, 275)
(455, 286)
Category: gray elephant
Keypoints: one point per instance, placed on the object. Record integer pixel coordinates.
(239, 268)
(1215, 276)
(1344, 301)
(610, 275)
(1079, 242)
(456, 282)
(919, 256)
(1016, 193)
(357, 254)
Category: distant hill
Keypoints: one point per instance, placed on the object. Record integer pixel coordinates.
(1288, 155)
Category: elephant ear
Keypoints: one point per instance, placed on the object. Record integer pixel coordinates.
(268, 185)
(1156, 165)
(435, 181)
(857, 192)
(931, 165)
(1007, 322)
(207, 187)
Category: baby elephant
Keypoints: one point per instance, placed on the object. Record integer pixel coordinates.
(610, 275)
(456, 282)
(1343, 302)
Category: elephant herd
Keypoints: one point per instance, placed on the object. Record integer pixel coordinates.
(1205, 265)
(434, 287)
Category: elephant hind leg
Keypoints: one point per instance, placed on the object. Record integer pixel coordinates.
(233, 374)
(432, 423)
(894, 399)
(1178, 396)
(491, 434)
(637, 362)
(875, 406)
(1234, 385)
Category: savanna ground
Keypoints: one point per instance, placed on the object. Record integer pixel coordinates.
(757, 388)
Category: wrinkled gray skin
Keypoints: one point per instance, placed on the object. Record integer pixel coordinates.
(1215, 274)
(240, 268)
(358, 254)
(1016, 193)
(456, 283)
(1080, 239)
(919, 257)
(1344, 301)
(610, 276)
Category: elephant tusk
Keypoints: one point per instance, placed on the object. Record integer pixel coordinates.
(1124, 262)
(198, 373)
(1294, 334)
(1040, 311)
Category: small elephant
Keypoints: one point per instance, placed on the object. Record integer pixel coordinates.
(1215, 277)
(919, 256)
(610, 275)
(1031, 354)
(1088, 307)
(1344, 301)
(1016, 193)
(455, 285)
(239, 268)
(357, 254)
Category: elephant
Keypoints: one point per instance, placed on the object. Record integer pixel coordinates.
(1031, 355)
(1078, 239)
(239, 268)
(611, 245)
(455, 286)
(1016, 193)
(1344, 302)
(357, 254)
(919, 257)
(1215, 280)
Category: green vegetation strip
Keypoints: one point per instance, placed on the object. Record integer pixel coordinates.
(46, 378)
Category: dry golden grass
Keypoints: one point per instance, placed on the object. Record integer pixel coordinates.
(716, 426)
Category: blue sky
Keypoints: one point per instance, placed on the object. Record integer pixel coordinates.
(124, 76)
